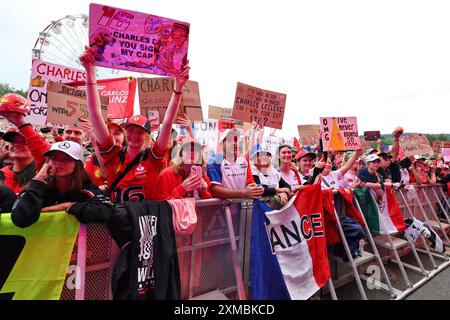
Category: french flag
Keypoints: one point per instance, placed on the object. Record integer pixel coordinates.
(288, 248)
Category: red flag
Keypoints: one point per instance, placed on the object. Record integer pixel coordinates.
(121, 93)
(331, 232)
(297, 144)
(350, 209)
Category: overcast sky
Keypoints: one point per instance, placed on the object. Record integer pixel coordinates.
(386, 62)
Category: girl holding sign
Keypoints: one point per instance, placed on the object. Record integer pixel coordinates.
(131, 171)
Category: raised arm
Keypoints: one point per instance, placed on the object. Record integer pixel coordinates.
(101, 132)
(351, 161)
(172, 109)
(396, 145)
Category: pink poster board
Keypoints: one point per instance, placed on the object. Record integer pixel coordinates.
(135, 41)
(339, 133)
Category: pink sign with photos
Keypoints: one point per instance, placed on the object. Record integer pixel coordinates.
(135, 41)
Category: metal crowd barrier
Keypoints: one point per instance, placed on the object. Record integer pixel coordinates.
(215, 258)
(211, 260)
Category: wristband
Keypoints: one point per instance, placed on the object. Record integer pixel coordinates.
(91, 82)
(177, 92)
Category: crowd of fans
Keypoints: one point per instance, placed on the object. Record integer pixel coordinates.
(46, 169)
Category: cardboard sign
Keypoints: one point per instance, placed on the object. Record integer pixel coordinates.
(438, 145)
(41, 73)
(372, 135)
(220, 113)
(66, 104)
(339, 134)
(155, 93)
(262, 106)
(446, 154)
(120, 92)
(415, 144)
(134, 41)
(309, 134)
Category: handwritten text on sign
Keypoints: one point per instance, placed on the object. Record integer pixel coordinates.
(41, 73)
(339, 134)
(262, 106)
(155, 94)
(415, 144)
(129, 40)
(66, 104)
(309, 134)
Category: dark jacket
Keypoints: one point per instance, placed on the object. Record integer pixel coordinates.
(27, 208)
(147, 267)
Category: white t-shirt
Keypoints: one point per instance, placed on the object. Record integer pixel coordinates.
(349, 179)
(332, 180)
(291, 179)
(272, 180)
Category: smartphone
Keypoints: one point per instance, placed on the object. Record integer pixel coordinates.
(197, 170)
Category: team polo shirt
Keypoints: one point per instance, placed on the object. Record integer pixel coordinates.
(235, 176)
(140, 182)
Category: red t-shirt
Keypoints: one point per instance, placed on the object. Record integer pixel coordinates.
(139, 183)
(169, 186)
(9, 179)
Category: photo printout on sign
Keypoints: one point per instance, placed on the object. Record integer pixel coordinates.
(135, 41)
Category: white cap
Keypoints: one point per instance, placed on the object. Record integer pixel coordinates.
(227, 132)
(417, 157)
(372, 157)
(259, 148)
(70, 148)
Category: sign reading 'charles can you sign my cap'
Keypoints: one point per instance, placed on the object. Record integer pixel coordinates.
(262, 106)
(66, 104)
(135, 41)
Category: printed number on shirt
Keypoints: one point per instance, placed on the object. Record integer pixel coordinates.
(132, 193)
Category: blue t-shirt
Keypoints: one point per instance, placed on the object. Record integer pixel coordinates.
(365, 176)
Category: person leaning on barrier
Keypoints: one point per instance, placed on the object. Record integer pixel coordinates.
(144, 163)
(61, 180)
(369, 176)
(230, 173)
(423, 173)
(266, 176)
(351, 179)
(333, 179)
(187, 177)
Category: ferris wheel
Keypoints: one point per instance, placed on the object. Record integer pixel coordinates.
(63, 41)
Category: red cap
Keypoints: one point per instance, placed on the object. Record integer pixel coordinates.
(114, 125)
(14, 102)
(303, 153)
(139, 121)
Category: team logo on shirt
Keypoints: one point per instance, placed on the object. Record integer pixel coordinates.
(141, 172)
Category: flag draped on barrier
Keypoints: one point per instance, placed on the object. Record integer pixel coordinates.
(34, 260)
(288, 249)
(386, 218)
